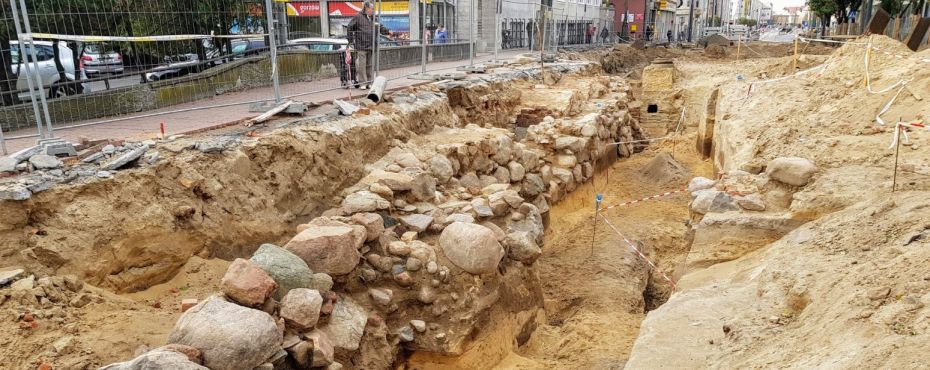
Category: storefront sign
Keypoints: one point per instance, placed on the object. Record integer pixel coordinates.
(304, 9)
(348, 9)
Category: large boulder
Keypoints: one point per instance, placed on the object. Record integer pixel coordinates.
(44, 162)
(329, 249)
(441, 167)
(700, 183)
(791, 170)
(423, 187)
(712, 201)
(159, 358)
(522, 247)
(471, 247)
(417, 222)
(300, 308)
(230, 336)
(372, 222)
(323, 350)
(393, 180)
(531, 224)
(364, 201)
(247, 284)
(286, 268)
(346, 324)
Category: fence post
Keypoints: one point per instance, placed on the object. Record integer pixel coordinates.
(423, 40)
(25, 64)
(497, 27)
(471, 32)
(376, 54)
(269, 14)
(35, 67)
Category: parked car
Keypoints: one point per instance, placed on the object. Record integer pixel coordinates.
(47, 72)
(173, 66)
(320, 43)
(101, 58)
(248, 47)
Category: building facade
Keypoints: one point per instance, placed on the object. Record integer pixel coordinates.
(708, 15)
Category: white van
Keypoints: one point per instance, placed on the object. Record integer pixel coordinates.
(46, 68)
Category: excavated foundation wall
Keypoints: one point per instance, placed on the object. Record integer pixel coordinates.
(140, 227)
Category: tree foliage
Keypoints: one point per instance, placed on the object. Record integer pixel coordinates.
(747, 22)
(128, 18)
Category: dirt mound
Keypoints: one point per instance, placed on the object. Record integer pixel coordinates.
(664, 169)
(841, 292)
(79, 326)
(838, 291)
(625, 58)
(715, 51)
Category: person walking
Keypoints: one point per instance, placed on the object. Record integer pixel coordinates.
(604, 35)
(363, 40)
(668, 35)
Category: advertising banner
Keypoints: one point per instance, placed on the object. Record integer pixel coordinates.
(304, 9)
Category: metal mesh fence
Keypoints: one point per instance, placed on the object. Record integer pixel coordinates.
(132, 65)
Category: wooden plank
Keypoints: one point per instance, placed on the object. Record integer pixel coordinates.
(918, 31)
(879, 22)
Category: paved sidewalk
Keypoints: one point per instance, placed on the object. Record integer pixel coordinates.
(148, 127)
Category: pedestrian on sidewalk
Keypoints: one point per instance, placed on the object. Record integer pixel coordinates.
(441, 34)
(363, 40)
(604, 35)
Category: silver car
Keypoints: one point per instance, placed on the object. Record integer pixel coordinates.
(101, 58)
(45, 56)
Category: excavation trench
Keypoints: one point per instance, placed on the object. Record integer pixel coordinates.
(163, 232)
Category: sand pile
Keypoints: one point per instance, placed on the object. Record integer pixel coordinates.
(842, 290)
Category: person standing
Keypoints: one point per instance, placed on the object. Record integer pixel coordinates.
(441, 34)
(604, 35)
(362, 38)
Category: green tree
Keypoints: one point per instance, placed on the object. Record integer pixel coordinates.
(893, 7)
(824, 9)
(124, 18)
(747, 21)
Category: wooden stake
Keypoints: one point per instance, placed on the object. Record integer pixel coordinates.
(739, 42)
(597, 208)
(897, 148)
(868, 58)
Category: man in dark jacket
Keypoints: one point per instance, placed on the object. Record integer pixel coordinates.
(363, 39)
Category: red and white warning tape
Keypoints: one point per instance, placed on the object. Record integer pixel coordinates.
(903, 126)
(805, 39)
(632, 246)
(651, 197)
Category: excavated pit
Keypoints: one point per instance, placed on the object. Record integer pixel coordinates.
(166, 230)
(159, 233)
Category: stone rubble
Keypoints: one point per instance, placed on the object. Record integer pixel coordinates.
(409, 243)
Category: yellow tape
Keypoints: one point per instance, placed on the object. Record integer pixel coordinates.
(81, 38)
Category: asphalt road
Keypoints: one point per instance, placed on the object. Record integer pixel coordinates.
(114, 82)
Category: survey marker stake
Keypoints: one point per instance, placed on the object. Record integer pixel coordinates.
(897, 148)
(597, 208)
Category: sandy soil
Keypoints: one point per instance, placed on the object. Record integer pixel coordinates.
(592, 308)
(108, 328)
